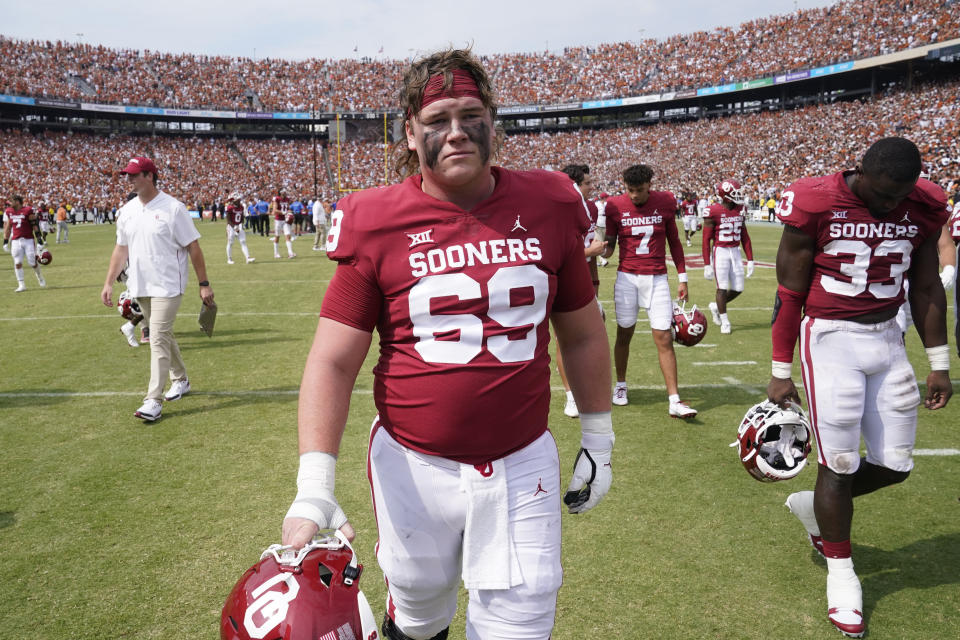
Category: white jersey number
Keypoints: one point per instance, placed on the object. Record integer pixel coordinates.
(729, 231)
(857, 270)
(647, 231)
(333, 235)
(426, 325)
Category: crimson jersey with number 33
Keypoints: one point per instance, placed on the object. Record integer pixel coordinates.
(860, 262)
(462, 302)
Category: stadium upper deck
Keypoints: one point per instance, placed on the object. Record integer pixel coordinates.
(847, 30)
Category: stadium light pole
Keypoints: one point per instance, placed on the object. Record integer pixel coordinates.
(313, 136)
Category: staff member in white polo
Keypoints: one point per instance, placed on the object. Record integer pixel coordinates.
(155, 235)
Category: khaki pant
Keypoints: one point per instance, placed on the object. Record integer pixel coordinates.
(165, 359)
(320, 238)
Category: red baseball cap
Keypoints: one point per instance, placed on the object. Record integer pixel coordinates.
(139, 165)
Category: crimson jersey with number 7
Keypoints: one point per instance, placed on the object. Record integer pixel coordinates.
(860, 261)
(462, 302)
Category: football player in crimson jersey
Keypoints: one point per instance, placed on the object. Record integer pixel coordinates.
(461, 268)
(645, 223)
(21, 236)
(234, 214)
(849, 241)
(279, 208)
(725, 227)
(593, 246)
(688, 212)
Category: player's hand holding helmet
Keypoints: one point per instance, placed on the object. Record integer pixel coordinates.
(773, 442)
(592, 472)
(309, 594)
(708, 272)
(315, 506)
(689, 327)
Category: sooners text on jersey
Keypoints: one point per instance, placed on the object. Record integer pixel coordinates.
(20, 223)
(955, 225)
(728, 224)
(860, 261)
(463, 306)
(643, 232)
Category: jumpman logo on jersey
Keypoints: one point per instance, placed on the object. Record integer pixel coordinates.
(906, 217)
(540, 488)
(517, 225)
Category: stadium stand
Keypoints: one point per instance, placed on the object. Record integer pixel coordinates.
(814, 37)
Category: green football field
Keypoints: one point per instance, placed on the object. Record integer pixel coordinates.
(111, 528)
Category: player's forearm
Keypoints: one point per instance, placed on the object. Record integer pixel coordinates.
(586, 357)
(117, 259)
(928, 305)
(196, 257)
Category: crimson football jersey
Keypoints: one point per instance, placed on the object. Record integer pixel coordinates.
(860, 261)
(689, 207)
(462, 302)
(20, 223)
(643, 233)
(728, 225)
(282, 203)
(955, 225)
(234, 215)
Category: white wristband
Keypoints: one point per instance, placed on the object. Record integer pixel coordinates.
(782, 370)
(682, 276)
(596, 430)
(316, 476)
(939, 357)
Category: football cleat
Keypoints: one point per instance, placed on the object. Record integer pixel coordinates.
(20, 287)
(570, 408)
(130, 333)
(178, 389)
(249, 260)
(310, 594)
(149, 411)
(715, 312)
(682, 410)
(845, 603)
(800, 504)
(773, 443)
(725, 328)
(620, 395)
(689, 327)
(229, 261)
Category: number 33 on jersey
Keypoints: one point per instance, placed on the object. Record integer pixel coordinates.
(861, 261)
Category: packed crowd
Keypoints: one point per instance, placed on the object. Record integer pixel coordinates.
(848, 29)
(766, 151)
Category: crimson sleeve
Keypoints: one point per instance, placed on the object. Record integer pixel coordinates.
(707, 237)
(787, 313)
(574, 282)
(676, 249)
(352, 299)
(745, 240)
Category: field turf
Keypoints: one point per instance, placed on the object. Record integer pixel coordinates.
(111, 528)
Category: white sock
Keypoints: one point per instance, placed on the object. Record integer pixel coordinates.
(621, 384)
(246, 252)
(569, 396)
(19, 272)
(289, 248)
(724, 319)
(673, 398)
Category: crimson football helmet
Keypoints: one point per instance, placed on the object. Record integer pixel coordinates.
(773, 442)
(731, 191)
(311, 594)
(689, 327)
(45, 257)
(289, 218)
(128, 307)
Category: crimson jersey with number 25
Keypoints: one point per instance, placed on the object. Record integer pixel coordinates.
(860, 261)
(462, 302)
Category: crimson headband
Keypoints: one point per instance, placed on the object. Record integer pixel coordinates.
(463, 86)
